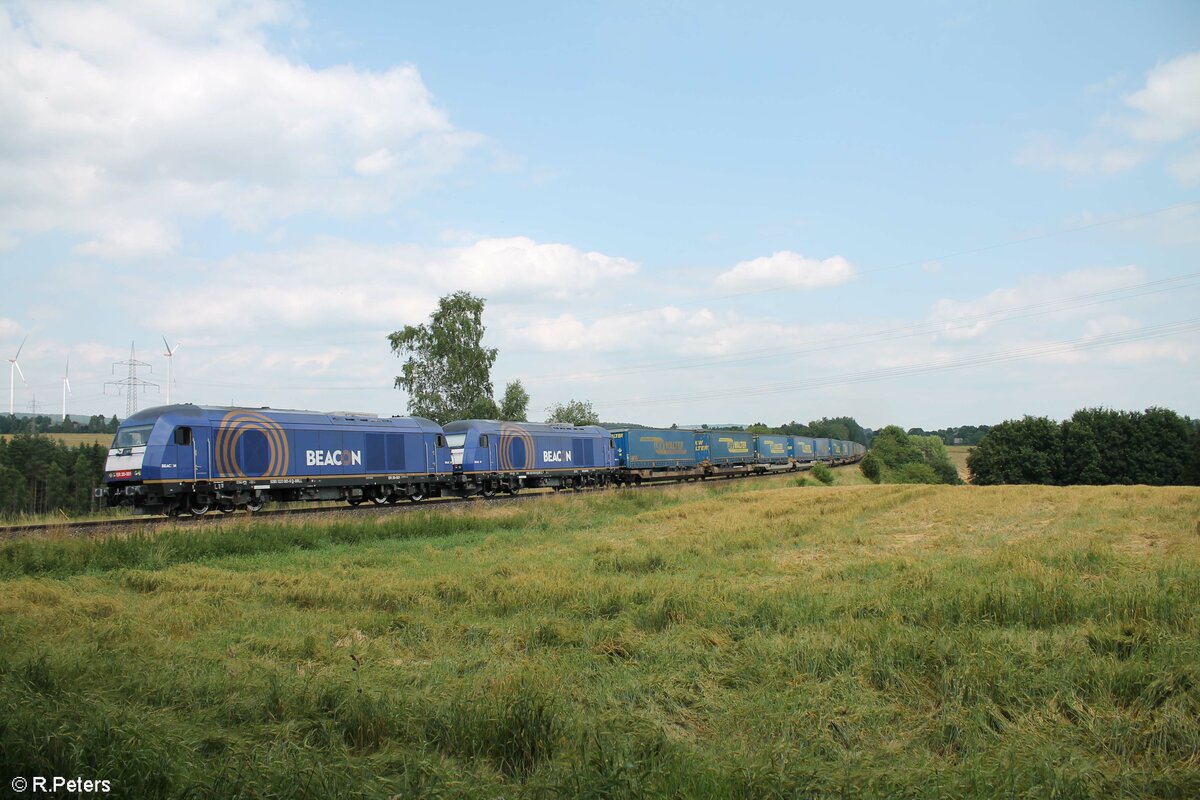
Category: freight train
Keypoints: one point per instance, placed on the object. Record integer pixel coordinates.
(187, 459)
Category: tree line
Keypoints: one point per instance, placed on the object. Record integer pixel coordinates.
(97, 423)
(41, 475)
(1096, 446)
(962, 435)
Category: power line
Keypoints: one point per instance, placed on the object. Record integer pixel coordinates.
(986, 359)
(908, 331)
(944, 257)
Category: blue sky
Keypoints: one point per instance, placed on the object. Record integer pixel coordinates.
(946, 214)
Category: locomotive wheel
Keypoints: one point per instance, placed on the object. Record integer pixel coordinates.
(379, 500)
(488, 491)
(199, 508)
(254, 505)
(416, 498)
(391, 499)
(512, 491)
(226, 508)
(354, 501)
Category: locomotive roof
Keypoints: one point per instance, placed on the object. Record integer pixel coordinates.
(186, 410)
(532, 427)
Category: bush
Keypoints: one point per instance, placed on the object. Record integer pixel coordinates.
(822, 473)
(871, 468)
(914, 473)
(897, 457)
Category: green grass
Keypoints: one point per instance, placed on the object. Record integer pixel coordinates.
(737, 639)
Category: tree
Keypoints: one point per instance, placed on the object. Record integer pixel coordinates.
(574, 412)
(895, 448)
(871, 467)
(1082, 463)
(1028, 450)
(937, 458)
(447, 372)
(515, 405)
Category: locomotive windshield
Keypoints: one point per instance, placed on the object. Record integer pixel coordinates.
(454, 440)
(134, 436)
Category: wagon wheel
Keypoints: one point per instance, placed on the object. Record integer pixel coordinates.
(199, 508)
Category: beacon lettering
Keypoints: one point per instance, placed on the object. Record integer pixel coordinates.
(333, 458)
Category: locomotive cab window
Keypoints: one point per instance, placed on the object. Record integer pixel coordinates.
(483, 440)
(183, 436)
(441, 441)
(132, 437)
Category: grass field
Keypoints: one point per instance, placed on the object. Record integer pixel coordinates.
(739, 639)
(958, 456)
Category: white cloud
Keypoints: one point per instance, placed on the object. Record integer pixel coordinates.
(1147, 352)
(1169, 103)
(519, 264)
(9, 329)
(1044, 151)
(135, 115)
(1165, 110)
(615, 332)
(1110, 323)
(787, 270)
(1186, 170)
(133, 239)
(965, 320)
(388, 286)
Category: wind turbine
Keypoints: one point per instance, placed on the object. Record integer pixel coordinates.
(66, 386)
(170, 352)
(13, 371)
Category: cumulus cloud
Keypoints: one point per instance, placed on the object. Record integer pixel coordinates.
(965, 320)
(668, 327)
(1169, 103)
(787, 270)
(1165, 110)
(388, 286)
(519, 264)
(117, 120)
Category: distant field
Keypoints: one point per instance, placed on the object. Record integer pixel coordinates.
(733, 639)
(76, 439)
(958, 455)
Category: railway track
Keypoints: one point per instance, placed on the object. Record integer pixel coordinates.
(101, 527)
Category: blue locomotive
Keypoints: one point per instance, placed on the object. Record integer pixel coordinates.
(190, 459)
(186, 458)
(491, 457)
